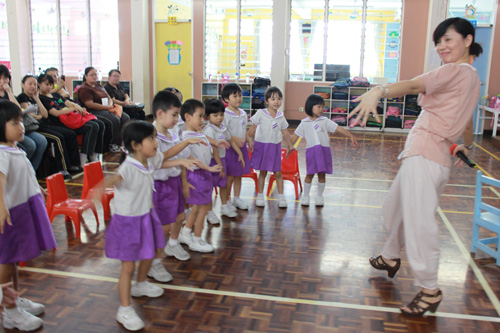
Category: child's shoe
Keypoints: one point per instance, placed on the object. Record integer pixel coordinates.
(304, 201)
(159, 273)
(29, 306)
(127, 316)
(201, 246)
(185, 237)
(227, 211)
(320, 201)
(212, 218)
(282, 203)
(176, 251)
(231, 206)
(260, 202)
(145, 288)
(20, 319)
(240, 204)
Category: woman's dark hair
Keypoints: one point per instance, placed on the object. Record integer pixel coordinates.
(271, 91)
(4, 71)
(175, 91)
(51, 69)
(190, 106)
(463, 27)
(311, 101)
(8, 111)
(114, 70)
(229, 89)
(27, 77)
(135, 131)
(165, 100)
(45, 77)
(213, 105)
(87, 70)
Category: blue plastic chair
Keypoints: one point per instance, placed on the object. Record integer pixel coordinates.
(488, 217)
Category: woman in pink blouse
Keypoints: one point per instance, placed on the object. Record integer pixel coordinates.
(448, 96)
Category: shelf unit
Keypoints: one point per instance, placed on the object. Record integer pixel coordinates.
(214, 89)
(339, 102)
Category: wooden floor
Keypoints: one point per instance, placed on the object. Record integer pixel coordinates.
(294, 270)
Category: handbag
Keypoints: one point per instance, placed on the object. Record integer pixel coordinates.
(30, 123)
(75, 120)
(117, 109)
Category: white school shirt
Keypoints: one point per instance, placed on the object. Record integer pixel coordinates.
(198, 151)
(134, 194)
(21, 180)
(236, 124)
(165, 144)
(269, 128)
(180, 126)
(316, 131)
(217, 133)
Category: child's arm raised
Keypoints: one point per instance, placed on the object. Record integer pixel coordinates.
(250, 137)
(103, 184)
(186, 163)
(345, 132)
(218, 143)
(180, 147)
(4, 212)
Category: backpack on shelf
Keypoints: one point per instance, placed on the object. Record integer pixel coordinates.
(259, 86)
(360, 81)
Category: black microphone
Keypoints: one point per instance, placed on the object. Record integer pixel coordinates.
(462, 156)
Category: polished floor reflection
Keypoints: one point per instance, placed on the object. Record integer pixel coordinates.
(294, 270)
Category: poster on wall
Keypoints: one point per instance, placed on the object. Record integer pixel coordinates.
(174, 51)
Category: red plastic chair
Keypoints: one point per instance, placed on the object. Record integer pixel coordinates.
(93, 175)
(58, 203)
(252, 174)
(289, 170)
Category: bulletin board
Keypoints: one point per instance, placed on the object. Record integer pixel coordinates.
(173, 57)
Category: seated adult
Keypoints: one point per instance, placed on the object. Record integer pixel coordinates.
(34, 144)
(59, 83)
(63, 141)
(57, 106)
(120, 96)
(95, 98)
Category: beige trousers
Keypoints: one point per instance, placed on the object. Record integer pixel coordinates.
(409, 212)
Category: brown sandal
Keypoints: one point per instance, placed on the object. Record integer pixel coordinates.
(380, 264)
(416, 310)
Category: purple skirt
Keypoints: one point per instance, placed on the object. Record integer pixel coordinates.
(319, 160)
(266, 156)
(168, 199)
(202, 182)
(29, 234)
(131, 238)
(234, 167)
(216, 180)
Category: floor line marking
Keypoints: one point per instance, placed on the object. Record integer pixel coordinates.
(494, 191)
(477, 272)
(487, 151)
(260, 297)
(294, 146)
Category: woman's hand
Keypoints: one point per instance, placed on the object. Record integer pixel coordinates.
(6, 87)
(367, 105)
(459, 163)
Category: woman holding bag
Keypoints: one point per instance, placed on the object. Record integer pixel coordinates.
(95, 98)
(59, 107)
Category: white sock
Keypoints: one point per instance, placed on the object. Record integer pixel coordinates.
(123, 308)
(307, 188)
(156, 261)
(83, 159)
(260, 195)
(281, 196)
(173, 242)
(321, 189)
(186, 230)
(93, 157)
(196, 239)
(236, 198)
(142, 283)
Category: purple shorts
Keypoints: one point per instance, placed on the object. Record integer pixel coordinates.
(168, 199)
(202, 182)
(216, 180)
(234, 167)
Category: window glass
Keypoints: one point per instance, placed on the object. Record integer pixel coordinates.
(4, 36)
(44, 35)
(104, 34)
(480, 11)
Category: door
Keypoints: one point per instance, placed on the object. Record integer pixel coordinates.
(173, 57)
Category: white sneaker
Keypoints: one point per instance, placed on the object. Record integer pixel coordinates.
(231, 206)
(226, 211)
(282, 203)
(129, 318)
(21, 320)
(304, 201)
(212, 218)
(260, 202)
(145, 289)
(201, 246)
(185, 238)
(240, 204)
(320, 201)
(30, 307)
(176, 251)
(159, 273)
